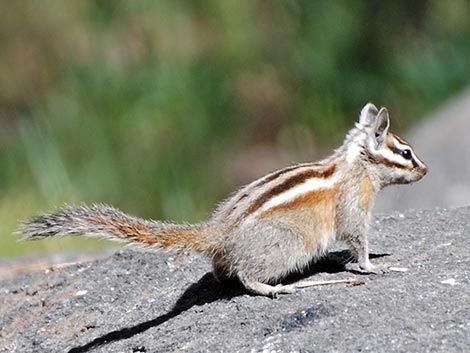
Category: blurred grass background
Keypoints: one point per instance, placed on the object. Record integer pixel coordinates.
(162, 108)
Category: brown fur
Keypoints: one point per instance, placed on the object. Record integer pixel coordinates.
(148, 236)
(312, 215)
(287, 185)
(261, 182)
(399, 139)
(367, 194)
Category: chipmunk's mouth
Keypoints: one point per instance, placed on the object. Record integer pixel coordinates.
(421, 172)
(415, 175)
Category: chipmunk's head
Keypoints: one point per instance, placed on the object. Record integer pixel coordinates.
(386, 155)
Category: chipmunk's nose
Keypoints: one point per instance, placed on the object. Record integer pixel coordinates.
(424, 169)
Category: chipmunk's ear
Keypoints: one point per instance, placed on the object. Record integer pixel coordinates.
(382, 123)
(368, 115)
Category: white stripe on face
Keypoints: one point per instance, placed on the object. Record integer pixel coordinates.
(402, 146)
(387, 152)
(395, 157)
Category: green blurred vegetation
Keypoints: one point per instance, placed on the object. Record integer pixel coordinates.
(162, 107)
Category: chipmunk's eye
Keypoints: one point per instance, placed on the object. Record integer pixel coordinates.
(406, 154)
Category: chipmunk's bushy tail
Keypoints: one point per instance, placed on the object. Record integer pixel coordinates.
(101, 221)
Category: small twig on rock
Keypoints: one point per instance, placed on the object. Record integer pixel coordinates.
(350, 281)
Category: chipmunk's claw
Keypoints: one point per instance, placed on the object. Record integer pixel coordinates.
(369, 268)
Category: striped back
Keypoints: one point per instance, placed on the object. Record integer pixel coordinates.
(369, 150)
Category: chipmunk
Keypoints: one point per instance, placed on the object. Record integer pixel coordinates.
(277, 224)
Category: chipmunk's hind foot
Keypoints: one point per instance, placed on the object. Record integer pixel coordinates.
(266, 289)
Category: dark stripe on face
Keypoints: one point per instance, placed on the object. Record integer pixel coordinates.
(396, 150)
(380, 160)
(403, 142)
(288, 184)
(400, 153)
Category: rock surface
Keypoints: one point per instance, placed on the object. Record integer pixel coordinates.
(167, 302)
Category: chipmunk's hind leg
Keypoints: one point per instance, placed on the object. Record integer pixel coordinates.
(264, 252)
(266, 289)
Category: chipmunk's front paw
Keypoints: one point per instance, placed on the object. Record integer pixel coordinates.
(378, 269)
(367, 267)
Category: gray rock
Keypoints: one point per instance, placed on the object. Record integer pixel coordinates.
(167, 302)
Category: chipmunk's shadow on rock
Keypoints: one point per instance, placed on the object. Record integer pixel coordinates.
(208, 290)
